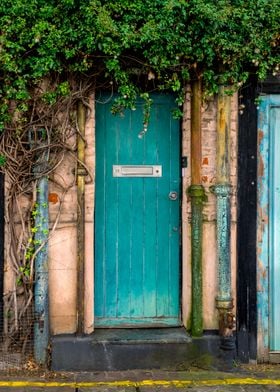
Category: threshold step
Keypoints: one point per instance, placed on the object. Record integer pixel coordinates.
(128, 349)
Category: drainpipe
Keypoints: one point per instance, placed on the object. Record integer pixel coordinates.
(197, 194)
(81, 172)
(41, 303)
(224, 301)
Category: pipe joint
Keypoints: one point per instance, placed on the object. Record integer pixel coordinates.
(197, 193)
(227, 320)
(224, 303)
(227, 323)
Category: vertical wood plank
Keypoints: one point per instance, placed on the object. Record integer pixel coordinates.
(150, 221)
(165, 205)
(175, 224)
(124, 223)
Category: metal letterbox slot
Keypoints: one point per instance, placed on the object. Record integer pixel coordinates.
(137, 171)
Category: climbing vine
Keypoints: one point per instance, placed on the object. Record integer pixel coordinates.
(51, 136)
(54, 53)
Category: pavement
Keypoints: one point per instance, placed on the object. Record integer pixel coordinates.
(243, 378)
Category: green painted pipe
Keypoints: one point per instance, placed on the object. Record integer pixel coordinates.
(197, 194)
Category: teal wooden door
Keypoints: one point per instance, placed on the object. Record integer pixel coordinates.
(272, 105)
(137, 217)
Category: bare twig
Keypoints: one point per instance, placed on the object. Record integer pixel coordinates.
(55, 125)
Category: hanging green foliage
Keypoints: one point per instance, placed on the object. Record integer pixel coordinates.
(130, 45)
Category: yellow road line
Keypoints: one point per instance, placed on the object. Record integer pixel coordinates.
(143, 383)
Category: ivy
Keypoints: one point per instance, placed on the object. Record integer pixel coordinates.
(120, 43)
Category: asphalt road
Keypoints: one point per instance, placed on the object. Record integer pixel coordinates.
(258, 378)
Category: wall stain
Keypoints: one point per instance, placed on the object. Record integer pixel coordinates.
(205, 161)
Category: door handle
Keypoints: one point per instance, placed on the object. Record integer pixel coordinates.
(173, 195)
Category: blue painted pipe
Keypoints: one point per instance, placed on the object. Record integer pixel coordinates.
(224, 301)
(41, 326)
(222, 192)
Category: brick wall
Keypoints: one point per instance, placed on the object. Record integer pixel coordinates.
(208, 176)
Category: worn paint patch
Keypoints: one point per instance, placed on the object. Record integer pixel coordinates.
(53, 198)
(260, 160)
(205, 161)
(223, 139)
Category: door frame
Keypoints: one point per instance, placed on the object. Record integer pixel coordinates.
(252, 273)
(264, 258)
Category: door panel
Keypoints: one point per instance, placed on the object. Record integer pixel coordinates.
(137, 225)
